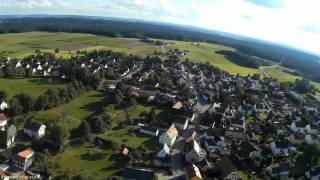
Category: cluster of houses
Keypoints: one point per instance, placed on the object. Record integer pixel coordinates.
(246, 119)
(52, 68)
(16, 158)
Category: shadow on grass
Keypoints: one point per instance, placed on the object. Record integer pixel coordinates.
(92, 156)
(98, 106)
(46, 81)
(117, 163)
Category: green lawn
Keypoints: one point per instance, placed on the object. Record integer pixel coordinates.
(31, 86)
(76, 161)
(70, 115)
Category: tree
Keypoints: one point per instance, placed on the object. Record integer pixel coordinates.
(97, 124)
(25, 101)
(106, 117)
(118, 99)
(42, 102)
(3, 95)
(58, 135)
(152, 115)
(311, 155)
(132, 101)
(84, 128)
(14, 107)
(57, 50)
(256, 76)
(129, 119)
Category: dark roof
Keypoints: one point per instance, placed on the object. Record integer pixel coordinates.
(150, 129)
(138, 174)
(33, 126)
(215, 132)
(208, 122)
(281, 144)
(237, 121)
(204, 163)
(245, 149)
(180, 119)
(211, 142)
(256, 128)
(300, 124)
(282, 167)
(224, 167)
(6, 135)
(315, 172)
(260, 106)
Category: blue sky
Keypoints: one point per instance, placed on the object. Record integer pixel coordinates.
(291, 22)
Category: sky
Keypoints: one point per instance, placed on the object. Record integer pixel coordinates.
(291, 22)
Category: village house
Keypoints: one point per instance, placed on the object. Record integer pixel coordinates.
(34, 130)
(297, 139)
(312, 139)
(3, 105)
(193, 173)
(22, 160)
(235, 132)
(279, 148)
(7, 132)
(124, 151)
(247, 150)
(260, 108)
(298, 126)
(281, 169)
(169, 136)
(313, 174)
(148, 130)
(181, 122)
(133, 173)
(164, 152)
(311, 129)
(194, 153)
(224, 169)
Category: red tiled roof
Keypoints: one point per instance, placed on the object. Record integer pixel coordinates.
(3, 117)
(27, 152)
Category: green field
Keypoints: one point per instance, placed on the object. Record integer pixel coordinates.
(23, 44)
(70, 115)
(278, 73)
(31, 86)
(205, 52)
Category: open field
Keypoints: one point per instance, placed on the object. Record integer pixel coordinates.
(31, 86)
(278, 73)
(205, 52)
(23, 44)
